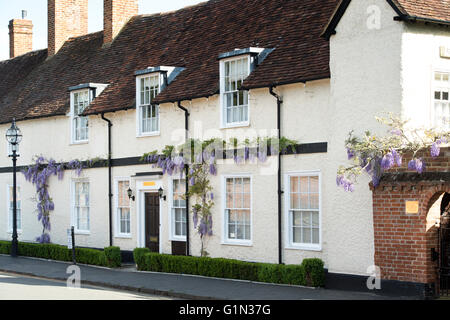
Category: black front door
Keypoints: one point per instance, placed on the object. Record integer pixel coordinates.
(152, 221)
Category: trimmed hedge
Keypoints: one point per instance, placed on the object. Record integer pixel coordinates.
(110, 257)
(309, 273)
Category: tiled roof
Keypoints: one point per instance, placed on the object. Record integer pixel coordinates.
(429, 9)
(192, 38)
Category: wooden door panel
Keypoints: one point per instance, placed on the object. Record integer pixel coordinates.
(152, 221)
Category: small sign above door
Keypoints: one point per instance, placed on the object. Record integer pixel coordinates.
(445, 52)
(149, 184)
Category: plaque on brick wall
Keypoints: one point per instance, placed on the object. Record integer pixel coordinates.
(412, 207)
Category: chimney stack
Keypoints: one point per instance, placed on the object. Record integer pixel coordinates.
(116, 13)
(66, 19)
(20, 36)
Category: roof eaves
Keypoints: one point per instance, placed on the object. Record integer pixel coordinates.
(282, 83)
(408, 18)
(330, 29)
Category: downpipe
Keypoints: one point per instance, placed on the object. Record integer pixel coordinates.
(280, 191)
(186, 168)
(110, 195)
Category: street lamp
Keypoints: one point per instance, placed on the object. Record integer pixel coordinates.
(14, 136)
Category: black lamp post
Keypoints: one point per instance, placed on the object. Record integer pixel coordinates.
(14, 136)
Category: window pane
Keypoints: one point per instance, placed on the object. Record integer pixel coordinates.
(295, 201)
(315, 219)
(297, 219)
(304, 182)
(297, 235)
(314, 184)
(306, 236)
(316, 237)
(306, 219)
(314, 201)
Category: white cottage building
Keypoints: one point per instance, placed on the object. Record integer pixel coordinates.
(327, 66)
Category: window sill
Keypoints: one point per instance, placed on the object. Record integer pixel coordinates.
(76, 143)
(237, 243)
(304, 248)
(152, 134)
(123, 236)
(181, 239)
(82, 233)
(235, 125)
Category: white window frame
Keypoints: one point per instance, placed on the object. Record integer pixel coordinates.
(139, 104)
(289, 244)
(72, 116)
(72, 204)
(173, 236)
(225, 239)
(118, 233)
(8, 208)
(223, 114)
(434, 87)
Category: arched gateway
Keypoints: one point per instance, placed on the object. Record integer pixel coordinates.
(411, 226)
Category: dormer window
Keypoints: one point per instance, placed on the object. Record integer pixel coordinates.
(235, 67)
(81, 97)
(149, 87)
(80, 125)
(149, 83)
(235, 100)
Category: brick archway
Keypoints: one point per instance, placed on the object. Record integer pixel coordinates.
(403, 240)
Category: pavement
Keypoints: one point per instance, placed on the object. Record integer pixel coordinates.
(176, 285)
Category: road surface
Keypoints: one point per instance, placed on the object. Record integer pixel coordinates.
(17, 287)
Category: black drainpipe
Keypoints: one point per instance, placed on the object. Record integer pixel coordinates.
(186, 167)
(280, 191)
(110, 195)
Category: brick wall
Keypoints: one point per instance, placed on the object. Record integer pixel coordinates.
(20, 37)
(66, 19)
(116, 14)
(403, 241)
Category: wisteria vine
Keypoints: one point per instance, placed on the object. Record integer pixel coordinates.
(375, 155)
(202, 156)
(39, 174)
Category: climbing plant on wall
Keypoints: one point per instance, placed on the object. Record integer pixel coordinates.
(39, 174)
(202, 156)
(373, 154)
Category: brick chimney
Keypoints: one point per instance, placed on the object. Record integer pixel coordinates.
(116, 13)
(66, 19)
(20, 36)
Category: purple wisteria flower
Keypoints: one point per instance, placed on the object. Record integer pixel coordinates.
(342, 181)
(350, 153)
(435, 150)
(417, 165)
(387, 162)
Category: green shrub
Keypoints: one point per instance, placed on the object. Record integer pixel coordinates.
(110, 257)
(310, 272)
(113, 257)
(138, 255)
(314, 272)
(152, 262)
(5, 247)
(269, 273)
(293, 274)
